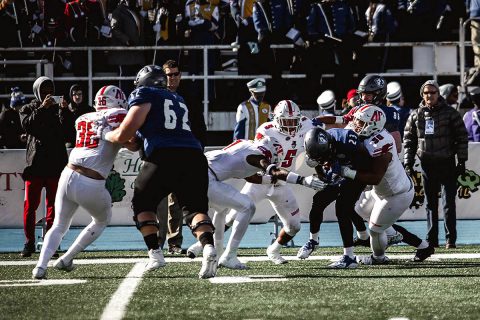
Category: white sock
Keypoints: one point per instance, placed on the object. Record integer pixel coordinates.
(50, 244)
(423, 245)
(314, 236)
(380, 258)
(348, 252)
(239, 228)
(84, 239)
(378, 242)
(275, 246)
(208, 250)
(362, 235)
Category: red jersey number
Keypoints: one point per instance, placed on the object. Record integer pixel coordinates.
(289, 156)
(85, 135)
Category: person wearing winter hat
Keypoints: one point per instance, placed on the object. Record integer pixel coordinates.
(449, 92)
(46, 156)
(78, 106)
(12, 135)
(395, 99)
(436, 133)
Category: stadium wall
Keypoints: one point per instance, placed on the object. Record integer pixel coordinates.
(127, 165)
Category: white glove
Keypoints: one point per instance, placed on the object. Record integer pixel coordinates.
(101, 130)
(314, 183)
(348, 172)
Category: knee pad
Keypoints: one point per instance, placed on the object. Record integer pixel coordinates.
(292, 228)
(142, 224)
(201, 223)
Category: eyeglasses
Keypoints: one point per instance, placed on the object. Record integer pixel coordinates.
(77, 94)
(430, 92)
(173, 74)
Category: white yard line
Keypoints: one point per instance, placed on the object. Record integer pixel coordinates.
(117, 306)
(243, 259)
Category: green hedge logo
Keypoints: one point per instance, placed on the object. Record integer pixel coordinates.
(115, 186)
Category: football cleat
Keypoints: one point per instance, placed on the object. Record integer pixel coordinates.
(194, 250)
(275, 256)
(423, 254)
(307, 249)
(345, 262)
(209, 263)
(39, 273)
(61, 265)
(395, 239)
(360, 242)
(231, 262)
(371, 260)
(156, 260)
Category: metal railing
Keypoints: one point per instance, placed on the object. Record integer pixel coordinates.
(462, 44)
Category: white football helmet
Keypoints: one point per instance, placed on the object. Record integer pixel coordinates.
(286, 117)
(110, 97)
(368, 120)
(271, 148)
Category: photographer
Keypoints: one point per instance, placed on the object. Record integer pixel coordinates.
(46, 155)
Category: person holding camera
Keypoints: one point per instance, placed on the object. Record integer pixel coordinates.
(46, 155)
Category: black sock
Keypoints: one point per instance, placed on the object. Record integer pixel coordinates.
(151, 241)
(206, 238)
(408, 237)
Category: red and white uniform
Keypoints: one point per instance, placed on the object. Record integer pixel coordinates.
(75, 189)
(387, 201)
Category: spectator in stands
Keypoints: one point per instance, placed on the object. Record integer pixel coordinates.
(253, 112)
(449, 93)
(422, 19)
(473, 11)
(202, 18)
(350, 102)
(395, 99)
(330, 26)
(77, 107)
(436, 133)
(168, 29)
(472, 117)
(127, 30)
(11, 133)
(46, 155)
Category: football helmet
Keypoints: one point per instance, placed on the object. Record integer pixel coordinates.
(271, 148)
(319, 145)
(110, 97)
(368, 120)
(286, 117)
(151, 76)
(375, 85)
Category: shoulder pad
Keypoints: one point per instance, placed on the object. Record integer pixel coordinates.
(115, 116)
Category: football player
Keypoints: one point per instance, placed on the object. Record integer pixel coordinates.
(288, 128)
(242, 159)
(82, 182)
(160, 118)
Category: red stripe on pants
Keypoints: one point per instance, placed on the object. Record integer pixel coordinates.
(33, 191)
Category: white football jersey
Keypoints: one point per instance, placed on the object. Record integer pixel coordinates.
(292, 146)
(231, 161)
(90, 150)
(395, 180)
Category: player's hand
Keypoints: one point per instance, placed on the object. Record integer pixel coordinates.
(311, 162)
(314, 183)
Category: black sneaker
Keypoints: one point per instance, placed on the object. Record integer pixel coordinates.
(28, 249)
(359, 242)
(176, 250)
(423, 254)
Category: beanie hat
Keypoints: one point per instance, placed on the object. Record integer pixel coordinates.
(17, 98)
(394, 91)
(446, 90)
(351, 93)
(429, 83)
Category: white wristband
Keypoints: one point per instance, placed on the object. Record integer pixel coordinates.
(292, 177)
(349, 173)
(270, 168)
(339, 119)
(266, 179)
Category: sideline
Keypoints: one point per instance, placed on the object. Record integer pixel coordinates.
(117, 306)
(439, 256)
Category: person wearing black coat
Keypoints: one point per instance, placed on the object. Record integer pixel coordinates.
(46, 156)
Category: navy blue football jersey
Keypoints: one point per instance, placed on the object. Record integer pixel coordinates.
(167, 124)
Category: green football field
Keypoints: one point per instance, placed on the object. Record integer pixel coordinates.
(112, 285)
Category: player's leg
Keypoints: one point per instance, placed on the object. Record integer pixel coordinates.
(424, 249)
(91, 195)
(65, 208)
(285, 205)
